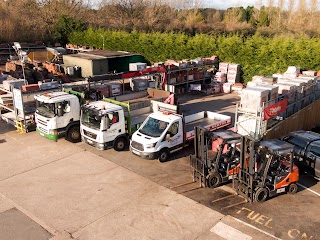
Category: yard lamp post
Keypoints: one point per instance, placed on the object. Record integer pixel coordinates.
(102, 41)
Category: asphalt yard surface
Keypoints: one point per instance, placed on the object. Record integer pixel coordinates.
(59, 190)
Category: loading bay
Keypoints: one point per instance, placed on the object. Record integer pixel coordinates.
(283, 217)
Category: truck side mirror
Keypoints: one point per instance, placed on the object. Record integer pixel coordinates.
(168, 137)
(105, 123)
(60, 111)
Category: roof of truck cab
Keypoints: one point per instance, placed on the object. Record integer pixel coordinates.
(54, 97)
(165, 116)
(277, 146)
(306, 135)
(106, 106)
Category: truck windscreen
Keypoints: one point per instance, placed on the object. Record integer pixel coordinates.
(153, 127)
(46, 109)
(90, 118)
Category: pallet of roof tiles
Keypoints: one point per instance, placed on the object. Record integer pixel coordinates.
(223, 67)
(299, 86)
(253, 99)
(14, 83)
(273, 92)
(226, 87)
(292, 72)
(287, 90)
(310, 84)
(233, 77)
(256, 79)
(220, 77)
(309, 73)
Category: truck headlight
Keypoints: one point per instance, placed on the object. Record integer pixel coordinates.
(53, 132)
(150, 145)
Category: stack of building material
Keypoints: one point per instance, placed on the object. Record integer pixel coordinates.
(139, 84)
(299, 87)
(220, 77)
(233, 74)
(253, 99)
(309, 73)
(226, 87)
(273, 92)
(46, 85)
(115, 89)
(223, 67)
(13, 83)
(30, 88)
(292, 72)
(287, 90)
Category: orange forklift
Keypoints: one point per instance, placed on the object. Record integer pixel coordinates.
(266, 169)
(211, 172)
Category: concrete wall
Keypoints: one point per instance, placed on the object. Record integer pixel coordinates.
(85, 64)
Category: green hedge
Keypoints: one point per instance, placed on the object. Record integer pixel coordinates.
(257, 55)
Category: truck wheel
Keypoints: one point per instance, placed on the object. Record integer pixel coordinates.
(261, 195)
(73, 134)
(163, 155)
(293, 188)
(214, 180)
(120, 144)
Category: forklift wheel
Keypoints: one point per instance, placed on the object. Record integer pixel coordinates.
(261, 195)
(293, 188)
(214, 180)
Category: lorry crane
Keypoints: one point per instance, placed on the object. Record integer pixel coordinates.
(266, 169)
(224, 165)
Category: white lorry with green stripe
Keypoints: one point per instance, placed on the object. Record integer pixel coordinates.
(58, 114)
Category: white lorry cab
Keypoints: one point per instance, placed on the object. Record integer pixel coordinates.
(163, 132)
(58, 114)
(103, 125)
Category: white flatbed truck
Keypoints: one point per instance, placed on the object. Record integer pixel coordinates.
(163, 133)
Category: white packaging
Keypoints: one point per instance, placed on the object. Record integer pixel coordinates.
(309, 73)
(226, 87)
(257, 79)
(220, 77)
(137, 66)
(288, 90)
(253, 99)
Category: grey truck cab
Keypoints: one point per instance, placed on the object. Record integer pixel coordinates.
(306, 150)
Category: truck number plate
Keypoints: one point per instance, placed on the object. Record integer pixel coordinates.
(135, 152)
(281, 190)
(89, 141)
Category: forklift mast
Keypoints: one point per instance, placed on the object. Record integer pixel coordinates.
(200, 161)
(243, 182)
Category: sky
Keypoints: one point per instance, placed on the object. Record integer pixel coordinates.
(224, 4)
(217, 4)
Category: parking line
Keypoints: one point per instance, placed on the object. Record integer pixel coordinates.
(258, 229)
(227, 232)
(304, 187)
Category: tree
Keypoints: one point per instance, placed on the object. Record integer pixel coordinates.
(65, 26)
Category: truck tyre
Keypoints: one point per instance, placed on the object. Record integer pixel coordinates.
(163, 155)
(120, 144)
(214, 180)
(293, 188)
(261, 195)
(73, 134)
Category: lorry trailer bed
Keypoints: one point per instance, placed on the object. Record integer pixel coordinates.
(200, 123)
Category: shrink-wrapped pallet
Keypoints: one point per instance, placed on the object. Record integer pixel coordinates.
(253, 99)
(288, 90)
